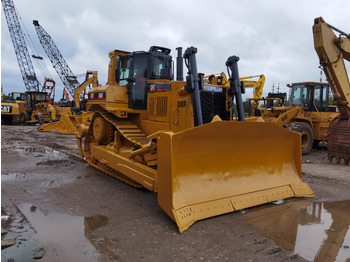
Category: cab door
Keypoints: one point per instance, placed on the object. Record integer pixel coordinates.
(137, 88)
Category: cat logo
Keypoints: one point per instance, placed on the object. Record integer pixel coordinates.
(6, 109)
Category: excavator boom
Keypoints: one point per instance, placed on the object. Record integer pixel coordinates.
(332, 51)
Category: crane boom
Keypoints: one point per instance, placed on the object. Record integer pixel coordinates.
(59, 63)
(24, 61)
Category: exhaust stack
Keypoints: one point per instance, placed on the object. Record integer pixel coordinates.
(179, 65)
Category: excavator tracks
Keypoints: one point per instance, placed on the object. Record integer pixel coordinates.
(128, 130)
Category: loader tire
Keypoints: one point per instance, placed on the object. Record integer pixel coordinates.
(307, 135)
(23, 117)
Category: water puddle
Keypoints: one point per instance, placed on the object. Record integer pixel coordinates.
(61, 237)
(315, 231)
(12, 176)
(19, 148)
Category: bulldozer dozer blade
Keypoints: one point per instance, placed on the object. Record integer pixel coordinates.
(225, 166)
(67, 123)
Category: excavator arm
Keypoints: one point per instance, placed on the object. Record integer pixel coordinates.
(65, 95)
(92, 80)
(332, 51)
(258, 86)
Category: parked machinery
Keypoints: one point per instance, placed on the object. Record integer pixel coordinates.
(11, 107)
(308, 113)
(332, 51)
(179, 140)
(69, 120)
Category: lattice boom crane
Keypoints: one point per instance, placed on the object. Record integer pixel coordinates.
(24, 61)
(59, 63)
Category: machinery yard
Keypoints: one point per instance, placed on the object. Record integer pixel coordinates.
(62, 209)
(166, 162)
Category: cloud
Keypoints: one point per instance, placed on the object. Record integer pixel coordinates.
(270, 37)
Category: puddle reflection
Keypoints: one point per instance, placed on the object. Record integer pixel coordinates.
(315, 231)
(63, 237)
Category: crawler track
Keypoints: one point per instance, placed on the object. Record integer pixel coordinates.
(128, 130)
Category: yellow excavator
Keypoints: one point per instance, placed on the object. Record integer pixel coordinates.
(332, 51)
(178, 139)
(69, 120)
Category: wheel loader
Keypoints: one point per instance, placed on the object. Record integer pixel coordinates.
(37, 110)
(174, 138)
(308, 113)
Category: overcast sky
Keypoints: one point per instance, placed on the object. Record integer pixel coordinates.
(271, 37)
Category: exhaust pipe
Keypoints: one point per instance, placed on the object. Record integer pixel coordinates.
(179, 65)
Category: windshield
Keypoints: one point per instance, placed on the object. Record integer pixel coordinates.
(39, 96)
(161, 67)
(122, 72)
(300, 95)
(18, 96)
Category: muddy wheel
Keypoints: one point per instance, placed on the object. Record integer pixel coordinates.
(307, 135)
(23, 117)
(101, 129)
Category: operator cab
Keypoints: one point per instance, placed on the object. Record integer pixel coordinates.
(310, 95)
(18, 96)
(133, 71)
(33, 98)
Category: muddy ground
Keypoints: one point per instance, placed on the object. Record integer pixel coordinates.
(60, 209)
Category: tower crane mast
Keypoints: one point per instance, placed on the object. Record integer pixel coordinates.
(59, 63)
(24, 61)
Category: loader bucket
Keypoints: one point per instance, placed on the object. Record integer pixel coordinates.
(225, 166)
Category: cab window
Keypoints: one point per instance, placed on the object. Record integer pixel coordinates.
(122, 73)
(138, 86)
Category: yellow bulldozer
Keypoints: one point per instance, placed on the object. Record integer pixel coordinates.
(181, 141)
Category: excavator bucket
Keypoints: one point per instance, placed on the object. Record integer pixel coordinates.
(225, 166)
(67, 124)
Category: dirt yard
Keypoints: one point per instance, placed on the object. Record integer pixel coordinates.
(60, 209)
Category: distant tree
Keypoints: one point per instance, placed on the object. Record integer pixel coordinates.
(331, 100)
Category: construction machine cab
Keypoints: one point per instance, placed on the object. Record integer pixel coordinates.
(133, 70)
(18, 96)
(311, 96)
(279, 97)
(33, 98)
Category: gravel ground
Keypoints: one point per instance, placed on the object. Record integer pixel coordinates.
(60, 209)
